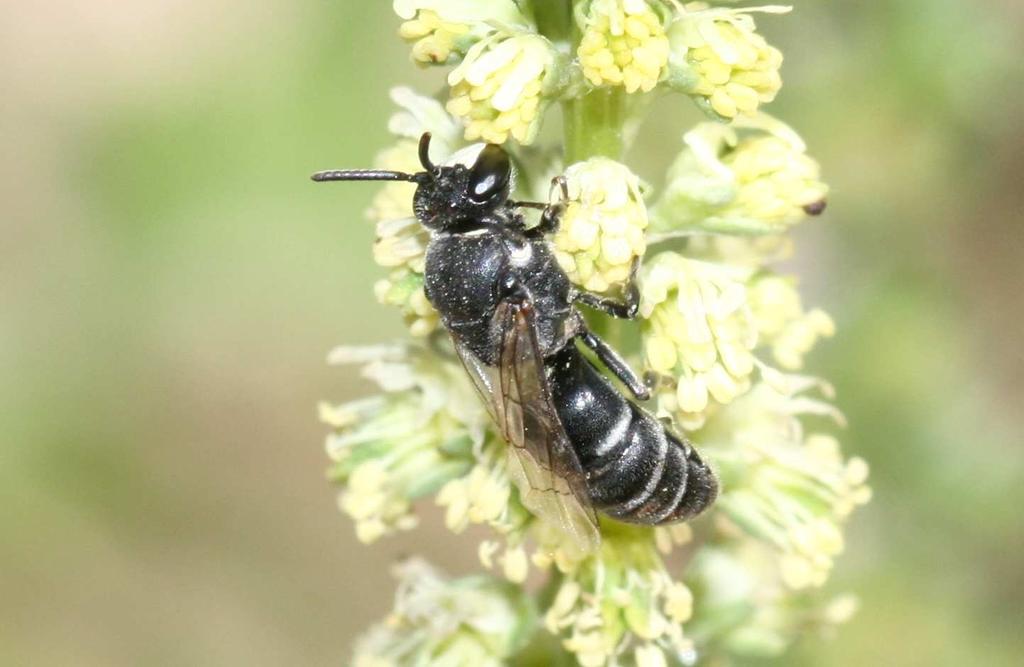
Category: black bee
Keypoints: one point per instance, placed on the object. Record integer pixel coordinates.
(580, 445)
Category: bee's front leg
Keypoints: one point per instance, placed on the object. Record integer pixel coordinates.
(552, 212)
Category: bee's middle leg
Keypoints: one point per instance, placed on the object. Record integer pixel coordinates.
(625, 308)
(612, 361)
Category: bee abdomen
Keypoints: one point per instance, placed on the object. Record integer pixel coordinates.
(637, 470)
(650, 477)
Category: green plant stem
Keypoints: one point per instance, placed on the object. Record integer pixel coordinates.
(554, 18)
(594, 125)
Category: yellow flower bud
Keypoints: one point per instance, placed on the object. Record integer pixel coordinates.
(753, 177)
(441, 31)
(796, 489)
(432, 38)
(515, 565)
(782, 322)
(482, 497)
(719, 59)
(385, 448)
(602, 230)
(698, 329)
(497, 90)
(623, 593)
(649, 655)
(403, 288)
(623, 44)
(439, 621)
(678, 602)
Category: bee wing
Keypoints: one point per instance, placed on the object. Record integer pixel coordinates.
(542, 462)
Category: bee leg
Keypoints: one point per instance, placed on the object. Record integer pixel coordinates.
(655, 380)
(624, 309)
(551, 218)
(540, 206)
(613, 362)
(562, 184)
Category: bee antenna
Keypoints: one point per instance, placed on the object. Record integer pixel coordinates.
(363, 175)
(425, 152)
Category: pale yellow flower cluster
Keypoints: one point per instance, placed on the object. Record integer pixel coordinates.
(738, 571)
(403, 288)
(776, 181)
(401, 241)
(502, 64)
(721, 59)
(623, 44)
(441, 31)
(433, 39)
(809, 540)
(496, 90)
(440, 621)
(602, 230)
(515, 565)
(482, 496)
(392, 449)
(792, 491)
(703, 322)
(374, 503)
(782, 322)
(699, 330)
(623, 601)
(751, 177)
(487, 496)
(429, 434)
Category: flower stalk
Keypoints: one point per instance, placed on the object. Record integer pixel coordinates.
(594, 125)
(554, 18)
(722, 334)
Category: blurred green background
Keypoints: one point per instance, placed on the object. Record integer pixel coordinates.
(170, 283)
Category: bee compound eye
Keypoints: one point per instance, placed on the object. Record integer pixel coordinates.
(490, 174)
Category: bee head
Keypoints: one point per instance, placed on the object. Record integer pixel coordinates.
(452, 194)
(447, 196)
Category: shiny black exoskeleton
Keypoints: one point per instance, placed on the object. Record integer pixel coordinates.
(482, 256)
